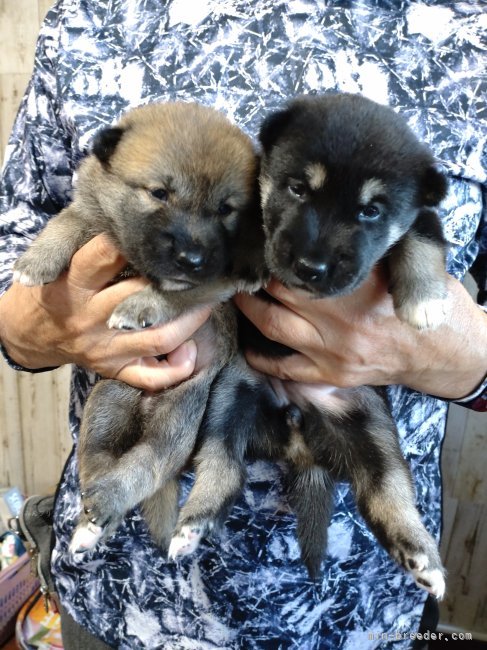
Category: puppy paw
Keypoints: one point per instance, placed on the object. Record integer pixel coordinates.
(125, 321)
(418, 553)
(102, 506)
(432, 579)
(185, 542)
(32, 273)
(428, 314)
(85, 537)
(129, 315)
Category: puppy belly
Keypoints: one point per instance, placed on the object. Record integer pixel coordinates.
(323, 396)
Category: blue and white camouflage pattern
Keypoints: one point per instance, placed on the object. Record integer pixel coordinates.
(95, 59)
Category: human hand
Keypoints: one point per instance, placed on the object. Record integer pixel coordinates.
(65, 322)
(357, 339)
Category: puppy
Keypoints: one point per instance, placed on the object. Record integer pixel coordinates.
(344, 184)
(175, 187)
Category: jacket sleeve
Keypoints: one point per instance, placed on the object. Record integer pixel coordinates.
(37, 172)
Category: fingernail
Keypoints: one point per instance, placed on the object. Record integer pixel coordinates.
(185, 355)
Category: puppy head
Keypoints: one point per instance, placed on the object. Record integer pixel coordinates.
(174, 181)
(342, 180)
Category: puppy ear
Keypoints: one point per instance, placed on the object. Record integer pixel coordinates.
(434, 185)
(106, 142)
(272, 127)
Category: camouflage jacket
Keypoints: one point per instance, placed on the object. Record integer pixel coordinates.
(96, 58)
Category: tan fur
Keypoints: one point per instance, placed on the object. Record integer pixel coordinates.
(316, 175)
(298, 451)
(208, 145)
(133, 447)
(266, 188)
(370, 189)
(422, 265)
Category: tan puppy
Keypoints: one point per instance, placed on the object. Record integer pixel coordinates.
(175, 186)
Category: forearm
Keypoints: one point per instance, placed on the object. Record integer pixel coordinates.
(23, 324)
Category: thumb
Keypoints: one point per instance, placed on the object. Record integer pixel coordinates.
(154, 374)
(183, 357)
(95, 264)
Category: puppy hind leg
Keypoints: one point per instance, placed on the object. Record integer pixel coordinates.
(229, 423)
(385, 496)
(395, 521)
(220, 476)
(108, 426)
(171, 423)
(161, 512)
(118, 469)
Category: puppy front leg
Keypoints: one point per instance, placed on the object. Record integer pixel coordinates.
(51, 252)
(151, 306)
(418, 275)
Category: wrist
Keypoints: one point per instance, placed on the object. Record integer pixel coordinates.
(17, 366)
(451, 361)
(17, 345)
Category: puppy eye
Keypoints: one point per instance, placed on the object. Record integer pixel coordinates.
(368, 213)
(160, 194)
(297, 189)
(224, 209)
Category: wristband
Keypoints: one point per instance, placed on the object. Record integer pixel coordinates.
(476, 400)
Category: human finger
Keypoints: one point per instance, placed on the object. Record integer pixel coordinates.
(277, 322)
(95, 264)
(104, 302)
(154, 341)
(154, 374)
(296, 367)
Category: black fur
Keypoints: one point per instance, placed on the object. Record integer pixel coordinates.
(105, 143)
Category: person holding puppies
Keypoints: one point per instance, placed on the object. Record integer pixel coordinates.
(245, 588)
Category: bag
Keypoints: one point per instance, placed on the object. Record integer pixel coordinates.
(37, 628)
(16, 585)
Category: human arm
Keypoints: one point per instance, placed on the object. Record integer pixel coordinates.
(65, 322)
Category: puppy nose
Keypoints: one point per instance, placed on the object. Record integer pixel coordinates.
(310, 270)
(191, 259)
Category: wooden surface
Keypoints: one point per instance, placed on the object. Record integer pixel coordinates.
(34, 435)
(33, 408)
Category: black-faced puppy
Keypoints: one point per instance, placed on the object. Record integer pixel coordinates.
(344, 184)
(175, 187)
